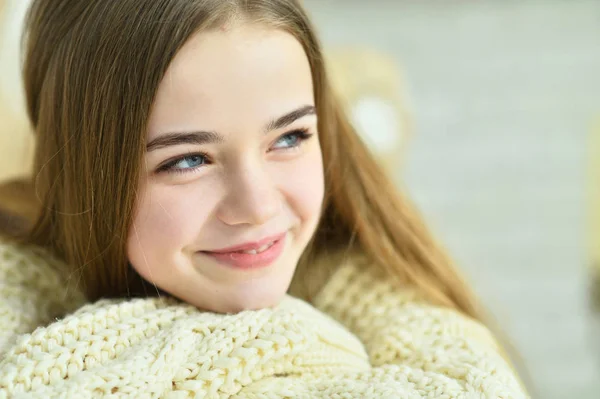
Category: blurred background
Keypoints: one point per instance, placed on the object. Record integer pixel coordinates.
(488, 113)
(503, 97)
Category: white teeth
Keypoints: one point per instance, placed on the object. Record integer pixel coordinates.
(259, 250)
(263, 248)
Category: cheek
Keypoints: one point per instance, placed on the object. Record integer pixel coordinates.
(168, 219)
(302, 182)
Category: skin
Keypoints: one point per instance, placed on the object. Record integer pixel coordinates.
(253, 182)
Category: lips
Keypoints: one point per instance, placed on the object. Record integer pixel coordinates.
(258, 250)
(251, 255)
(250, 246)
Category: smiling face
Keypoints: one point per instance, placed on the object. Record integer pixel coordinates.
(233, 186)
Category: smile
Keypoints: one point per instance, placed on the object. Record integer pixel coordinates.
(252, 255)
(257, 251)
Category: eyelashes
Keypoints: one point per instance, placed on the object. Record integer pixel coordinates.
(294, 138)
(196, 160)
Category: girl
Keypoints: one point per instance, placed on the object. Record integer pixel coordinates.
(193, 167)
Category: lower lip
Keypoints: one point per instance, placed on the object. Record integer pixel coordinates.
(245, 261)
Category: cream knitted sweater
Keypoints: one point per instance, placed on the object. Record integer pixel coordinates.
(361, 339)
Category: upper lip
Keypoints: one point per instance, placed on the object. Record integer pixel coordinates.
(249, 246)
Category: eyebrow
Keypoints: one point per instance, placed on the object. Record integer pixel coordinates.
(172, 139)
(209, 137)
(290, 118)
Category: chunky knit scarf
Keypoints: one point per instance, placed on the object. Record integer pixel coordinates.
(361, 338)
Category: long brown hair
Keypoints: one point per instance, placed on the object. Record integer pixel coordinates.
(91, 71)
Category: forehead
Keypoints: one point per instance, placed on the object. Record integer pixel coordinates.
(223, 79)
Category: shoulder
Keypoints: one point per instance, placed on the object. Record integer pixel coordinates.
(35, 289)
(398, 325)
(364, 296)
(22, 263)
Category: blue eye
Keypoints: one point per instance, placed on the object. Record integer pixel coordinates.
(185, 164)
(292, 139)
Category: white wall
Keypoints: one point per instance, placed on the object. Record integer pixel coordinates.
(15, 139)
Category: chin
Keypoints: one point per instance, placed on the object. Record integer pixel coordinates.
(255, 302)
(259, 293)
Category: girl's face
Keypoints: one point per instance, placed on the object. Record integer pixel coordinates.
(233, 186)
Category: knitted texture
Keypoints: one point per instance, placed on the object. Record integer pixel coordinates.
(362, 338)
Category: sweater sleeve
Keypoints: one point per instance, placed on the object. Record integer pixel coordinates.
(432, 343)
(32, 291)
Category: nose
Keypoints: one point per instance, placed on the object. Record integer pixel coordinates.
(252, 197)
